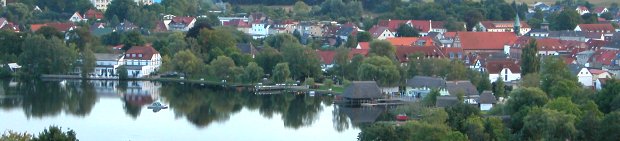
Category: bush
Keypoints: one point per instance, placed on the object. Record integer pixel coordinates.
(54, 133)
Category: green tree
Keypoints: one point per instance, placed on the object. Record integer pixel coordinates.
(363, 36)
(17, 12)
(382, 48)
(279, 41)
(405, 30)
(547, 124)
(590, 123)
(49, 32)
(54, 133)
(474, 126)
(122, 72)
(215, 43)
(351, 42)
(186, 62)
(495, 128)
(222, 67)
(530, 80)
(353, 67)
(281, 73)
(119, 9)
(499, 89)
(530, 61)
(268, 57)
(88, 62)
(309, 81)
(565, 105)
(46, 56)
(15, 136)
(303, 62)
(431, 98)
(567, 20)
(454, 136)
(300, 8)
(589, 18)
(610, 126)
(132, 38)
(380, 69)
(341, 60)
(608, 95)
(556, 79)
(458, 114)
(520, 103)
(253, 72)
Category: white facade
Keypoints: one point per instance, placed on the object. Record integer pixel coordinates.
(386, 34)
(485, 107)
(3, 3)
(582, 11)
(101, 4)
(137, 68)
(76, 17)
(506, 74)
(423, 91)
(259, 30)
(585, 77)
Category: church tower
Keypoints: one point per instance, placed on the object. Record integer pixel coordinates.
(517, 25)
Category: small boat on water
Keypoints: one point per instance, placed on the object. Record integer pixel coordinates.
(157, 105)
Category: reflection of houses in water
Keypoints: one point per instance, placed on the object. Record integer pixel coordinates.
(138, 93)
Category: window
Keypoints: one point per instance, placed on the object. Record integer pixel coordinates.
(133, 55)
(139, 55)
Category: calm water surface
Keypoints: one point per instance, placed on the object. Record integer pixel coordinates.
(111, 110)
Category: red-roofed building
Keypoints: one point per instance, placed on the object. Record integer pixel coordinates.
(403, 52)
(606, 29)
(549, 46)
(582, 10)
(600, 10)
(392, 25)
(605, 57)
(181, 23)
(381, 32)
(402, 41)
(6, 25)
(595, 44)
(353, 52)
(363, 45)
(141, 61)
(76, 17)
(62, 27)
(501, 26)
(93, 14)
(508, 69)
(484, 41)
(239, 24)
(423, 26)
(327, 59)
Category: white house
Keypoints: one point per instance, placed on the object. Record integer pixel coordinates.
(583, 75)
(181, 23)
(107, 63)
(486, 101)
(381, 33)
(76, 17)
(508, 69)
(582, 10)
(420, 86)
(141, 61)
(259, 30)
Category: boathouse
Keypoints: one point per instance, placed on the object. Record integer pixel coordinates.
(362, 92)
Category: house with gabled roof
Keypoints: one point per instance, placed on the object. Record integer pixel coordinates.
(606, 29)
(582, 10)
(381, 32)
(141, 61)
(62, 27)
(600, 10)
(362, 92)
(487, 100)
(508, 69)
(420, 86)
(6, 25)
(181, 23)
(327, 59)
(584, 77)
(403, 52)
(502, 26)
(93, 14)
(76, 17)
(466, 88)
(402, 41)
(484, 41)
(106, 64)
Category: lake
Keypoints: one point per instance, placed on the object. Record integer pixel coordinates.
(112, 110)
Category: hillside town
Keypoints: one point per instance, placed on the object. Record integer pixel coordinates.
(481, 59)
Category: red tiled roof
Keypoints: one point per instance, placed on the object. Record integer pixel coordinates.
(402, 52)
(604, 56)
(237, 23)
(603, 28)
(449, 34)
(94, 14)
(568, 60)
(582, 8)
(147, 52)
(486, 40)
(392, 25)
(549, 44)
(62, 27)
(496, 66)
(502, 24)
(421, 25)
(9, 26)
(597, 71)
(363, 45)
(160, 26)
(184, 20)
(327, 57)
(353, 52)
(595, 44)
(402, 41)
(376, 31)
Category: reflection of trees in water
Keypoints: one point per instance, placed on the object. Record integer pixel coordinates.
(41, 98)
(204, 105)
(340, 119)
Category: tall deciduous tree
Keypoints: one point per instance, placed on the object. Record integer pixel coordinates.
(281, 73)
(608, 95)
(499, 89)
(222, 67)
(351, 42)
(382, 48)
(119, 9)
(530, 61)
(303, 62)
(268, 58)
(88, 62)
(556, 79)
(46, 56)
(610, 126)
(363, 36)
(186, 62)
(567, 20)
(253, 73)
(380, 69)
(547, 124)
